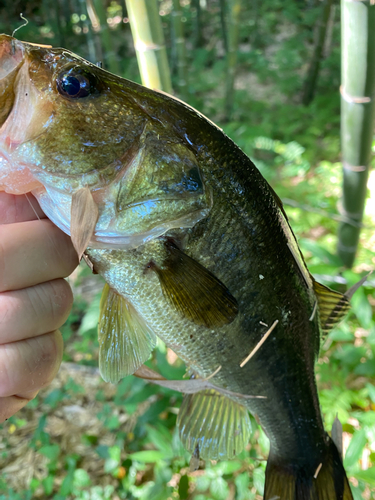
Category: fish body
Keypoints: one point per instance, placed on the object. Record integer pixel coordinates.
(194, 246)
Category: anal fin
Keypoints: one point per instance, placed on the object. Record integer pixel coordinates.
(125, 340)
(218, 426)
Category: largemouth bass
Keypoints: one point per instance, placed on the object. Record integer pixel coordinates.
(195, 248)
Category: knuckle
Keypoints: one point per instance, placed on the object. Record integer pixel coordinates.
(5, 311)
(60, 300)
(50, 357)
(2, 260)
(5, 363)
(64, 251)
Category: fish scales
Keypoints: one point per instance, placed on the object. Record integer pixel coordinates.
(195, 248)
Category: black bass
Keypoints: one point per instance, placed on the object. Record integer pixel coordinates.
(195, 248)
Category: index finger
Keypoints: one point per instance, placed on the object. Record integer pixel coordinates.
(19, 208)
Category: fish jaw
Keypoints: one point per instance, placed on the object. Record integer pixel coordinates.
(23, 116)
(11, 59)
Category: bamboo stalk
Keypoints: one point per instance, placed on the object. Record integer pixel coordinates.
(223, 8)
(233, 18)
(149, 44)
(86, 29)
(180, 49)
(95, 27)
(106, 36)
(198, 35)
(314, 67)
(357, 116)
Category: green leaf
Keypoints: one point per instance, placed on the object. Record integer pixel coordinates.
(81, 478)
(112, 422)
(219, 489)
(320, 252)
(203, 483)
(103, 451)
(183, 487)
(362, 308)
(89, 439)
(242, 482)
(67, 485)
(110, 465)
(355, 449)
(50, 451)
(161, 439)
(90, 319)
(113, 460)
(54, 397)
(47, 483)
(371, 391)
(163, 474)
(258, 479)
(227, 467)
(368, 476)
(147, 456)
(367, 368)
(115, 453)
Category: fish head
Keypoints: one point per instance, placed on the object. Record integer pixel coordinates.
(66, 124)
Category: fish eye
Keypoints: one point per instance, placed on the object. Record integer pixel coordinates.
(76, 83)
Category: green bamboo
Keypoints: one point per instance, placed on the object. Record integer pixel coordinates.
(86, 28)
(149, 44)
(223, 22)
(95, 28)
(107, 38)
(314, 67)
(357, 116)
(178, 29)
(233, 21)
(198, 32)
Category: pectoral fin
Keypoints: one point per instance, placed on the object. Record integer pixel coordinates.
(125, 341)
(195, 292)
(332, 305)
(218, 426)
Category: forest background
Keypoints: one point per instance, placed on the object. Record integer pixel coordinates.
(84, 439)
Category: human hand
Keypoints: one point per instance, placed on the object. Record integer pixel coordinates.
(35, 300)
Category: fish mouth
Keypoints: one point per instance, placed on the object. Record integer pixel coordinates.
(12, 55)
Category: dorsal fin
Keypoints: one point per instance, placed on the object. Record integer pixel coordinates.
(125, 341)
(332, 305)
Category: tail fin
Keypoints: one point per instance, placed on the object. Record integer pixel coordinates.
(324, 481)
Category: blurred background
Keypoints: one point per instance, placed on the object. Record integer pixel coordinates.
(268, 73)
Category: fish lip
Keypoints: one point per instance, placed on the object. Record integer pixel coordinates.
(12, 55)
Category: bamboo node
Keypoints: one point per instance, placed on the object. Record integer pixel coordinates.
(356, 216)
(141, 46)
(353, 168)
(354, 99)
(345, 248)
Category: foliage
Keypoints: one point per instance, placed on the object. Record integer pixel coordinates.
(84, 439)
